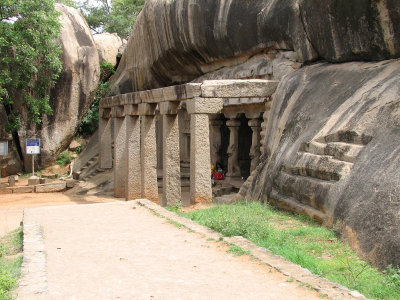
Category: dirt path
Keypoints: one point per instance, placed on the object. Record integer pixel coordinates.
(123, 251)
(12, 205)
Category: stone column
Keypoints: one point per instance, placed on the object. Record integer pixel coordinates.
(105, 138)
(171, 154)
(255, 152)
(133, 171)
(200, 172)
(215, 140)
(233, 153)
(120, 167)
(148, 150)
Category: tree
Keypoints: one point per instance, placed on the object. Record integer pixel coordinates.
(111, 15)
(29, 57)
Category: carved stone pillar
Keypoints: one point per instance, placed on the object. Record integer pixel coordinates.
(215, 140)
(200, 172)
(105, 138)
(255, 152)
(133, 174)
(148, 152)
(120, 167)
(233, 149)
(171, 157)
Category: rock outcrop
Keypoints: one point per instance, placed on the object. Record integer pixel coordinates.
(108, 45)
(333, 153)
(330, 139)
(177, 41)
(71, 96)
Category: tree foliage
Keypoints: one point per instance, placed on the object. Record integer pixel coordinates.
(111, 15)
(29, 57)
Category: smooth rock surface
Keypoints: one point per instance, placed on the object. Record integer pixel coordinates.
(108, 45)
(335, 151)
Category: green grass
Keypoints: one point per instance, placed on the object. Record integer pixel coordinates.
(237, 251)
(64, 158)
(302, 241)
(10, 262)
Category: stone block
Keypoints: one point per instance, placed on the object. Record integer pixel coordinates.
(169, 107)
(147, 109)
(11, 180)
(22, 189)
(5, 190)
(200, 105)
(131, 110)
(70, 183)
(238, 88)
(117, 112)
(45, 180)
(51, 187)
(33, 180)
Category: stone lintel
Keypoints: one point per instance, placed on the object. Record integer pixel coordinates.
(117, 112)
(244, 101)
(147, 109)
(131, 110)
(169, 107)
(105, 113)
(238, 88)
(199, 105)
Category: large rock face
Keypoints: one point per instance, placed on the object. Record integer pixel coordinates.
(176, 41)
(333, 152)
(331, 137)
(74, 91)
(108, 45)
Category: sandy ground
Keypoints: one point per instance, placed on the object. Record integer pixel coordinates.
(12, 205)
(121, 250)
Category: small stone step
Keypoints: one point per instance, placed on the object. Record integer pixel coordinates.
(318, 166)
(339, 150)
(307, 190)
(291, 204)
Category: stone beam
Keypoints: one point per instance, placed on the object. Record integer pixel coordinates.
(238, 88)
(201, 105)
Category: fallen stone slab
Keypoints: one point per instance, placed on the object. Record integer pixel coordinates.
(51, 187)
(238, 88)
(5, 190)
(22, 189)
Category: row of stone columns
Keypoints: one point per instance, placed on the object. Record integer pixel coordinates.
(233, 125)
(135, 149)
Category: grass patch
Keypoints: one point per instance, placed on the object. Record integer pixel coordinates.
(176, 224)
(237, 251)
(64, 159)
(10, 262)
(302, 241)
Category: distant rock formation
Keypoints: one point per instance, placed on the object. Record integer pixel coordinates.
(108, 46)
(330, 137)
(69, 99)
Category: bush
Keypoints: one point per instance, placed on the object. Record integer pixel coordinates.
(64, 159)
